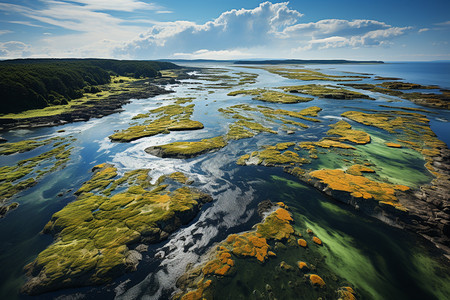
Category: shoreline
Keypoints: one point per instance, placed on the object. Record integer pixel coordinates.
(97, 108)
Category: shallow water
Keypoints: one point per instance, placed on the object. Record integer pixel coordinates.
(380, 261)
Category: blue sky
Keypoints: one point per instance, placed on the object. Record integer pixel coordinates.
(139, 29)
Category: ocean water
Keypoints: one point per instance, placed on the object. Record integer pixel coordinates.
(382, 262)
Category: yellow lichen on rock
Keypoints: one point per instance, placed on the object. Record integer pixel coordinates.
(346, 293)
(360, 186)
(277, 225)
(316, 280)
(317, 240)
(302, 242)
(302, 265)
(346, 132)
(393, 145)
(357, 170)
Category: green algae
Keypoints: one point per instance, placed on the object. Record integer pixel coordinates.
(93, 234)
(231, 265)
(426, 276)
(26, 173)
(289, 183)
(271, 96)
(23, 146)
(411, 130)
(390, 163)
(325, 91)
(165, 119)
(347, 262)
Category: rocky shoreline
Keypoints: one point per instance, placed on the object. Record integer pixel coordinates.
(142, 89)
(428, 208)
(88, 110)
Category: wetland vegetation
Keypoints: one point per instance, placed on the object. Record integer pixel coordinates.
(255, 182)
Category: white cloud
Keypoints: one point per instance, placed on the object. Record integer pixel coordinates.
(14, 49)
(271, 29)
(446, 23)
(104, 5)
(275, 27)
(164, 12)
(5, 32)
(233, 29)
(423, 30)
(219, 55)
(26, 23)
(87, 27)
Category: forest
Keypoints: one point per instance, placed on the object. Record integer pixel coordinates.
(38, 83)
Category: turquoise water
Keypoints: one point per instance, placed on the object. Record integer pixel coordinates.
(381, 261)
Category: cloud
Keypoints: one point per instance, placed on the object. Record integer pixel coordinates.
(105, 5)
(423, 30)
(219, 55)
(26, 23)
(89, 31)
(95, 29)
(446, 23)
(5, 32)
(232, 29)
(14, 49)
(270, 26)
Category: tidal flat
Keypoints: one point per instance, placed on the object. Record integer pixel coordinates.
(260, 182)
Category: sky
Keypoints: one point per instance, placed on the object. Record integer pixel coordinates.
(394, 30)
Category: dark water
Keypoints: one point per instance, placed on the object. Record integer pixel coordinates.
(380, 261)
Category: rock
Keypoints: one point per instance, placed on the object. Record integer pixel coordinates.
(302, 242)
(4, 209)
(285, 266)
(316, 280)
(317, 241)
(132, 259)
(142, 248)
(2, 140)
(302, 266)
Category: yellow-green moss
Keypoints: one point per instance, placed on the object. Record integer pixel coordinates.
(23, 146)
(13, 179)
(187, 149)
(271, 96)
(325, 91)
(305, 74)
(94, 232)
(166, 118)
(272, 156)
(427, 99)
(346, 132)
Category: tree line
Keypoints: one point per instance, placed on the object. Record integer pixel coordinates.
(37, 83)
